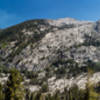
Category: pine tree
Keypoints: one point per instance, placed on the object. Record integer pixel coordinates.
(14, 90)
(28, 95)
(36, 96)
(56, 96)
(92, 95)
(1, 92)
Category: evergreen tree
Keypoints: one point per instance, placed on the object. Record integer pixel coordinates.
(36, 96)
(1, 92)
(14, 90)
(56, 96)
(91, 93)
(28, 95)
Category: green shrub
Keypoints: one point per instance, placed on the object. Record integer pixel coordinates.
(4, 69)
(44, 87)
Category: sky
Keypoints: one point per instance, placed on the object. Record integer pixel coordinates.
(16, 11)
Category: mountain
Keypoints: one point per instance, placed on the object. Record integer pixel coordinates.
(36, 44)
(54, 49)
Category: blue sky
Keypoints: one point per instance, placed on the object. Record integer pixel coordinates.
(16, 11)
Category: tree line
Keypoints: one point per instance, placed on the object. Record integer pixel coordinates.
(15, 90)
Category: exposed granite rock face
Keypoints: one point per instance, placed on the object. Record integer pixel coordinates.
(66, 44)
(80, 81)
(36, 44)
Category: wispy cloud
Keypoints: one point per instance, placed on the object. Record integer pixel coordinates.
(7, 19)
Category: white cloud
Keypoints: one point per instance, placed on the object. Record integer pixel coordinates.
(7, 19)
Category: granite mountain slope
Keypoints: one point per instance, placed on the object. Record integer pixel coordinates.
(37, 44)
